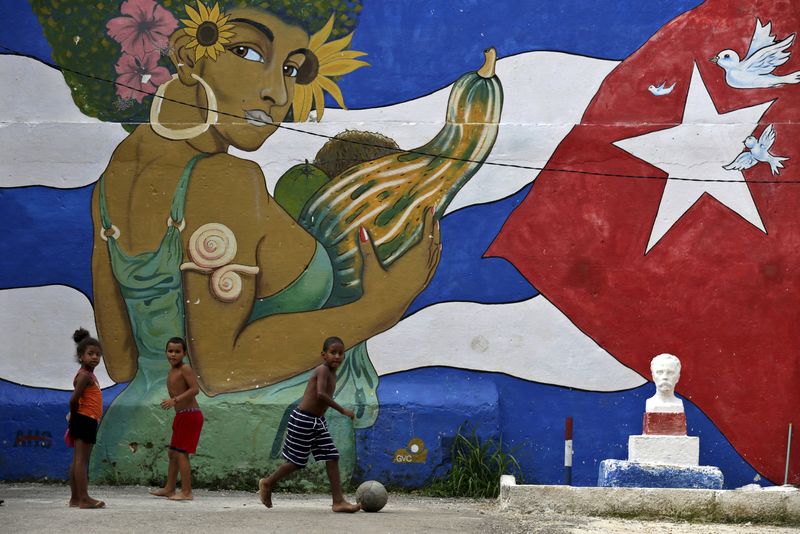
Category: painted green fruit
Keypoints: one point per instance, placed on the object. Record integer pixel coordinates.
(389, 196)
(297, 185)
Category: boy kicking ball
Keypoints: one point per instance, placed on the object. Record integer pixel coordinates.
(307, 430)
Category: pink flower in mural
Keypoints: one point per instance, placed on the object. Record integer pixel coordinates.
(144, 27)
(139, 76)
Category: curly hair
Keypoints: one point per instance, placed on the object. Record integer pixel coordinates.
(83, 340)
(77, 32)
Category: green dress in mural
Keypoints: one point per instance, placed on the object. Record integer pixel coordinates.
(242, 429)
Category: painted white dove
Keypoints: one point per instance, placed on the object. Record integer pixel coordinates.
(660, 90)
(764, 55)
(759, 152)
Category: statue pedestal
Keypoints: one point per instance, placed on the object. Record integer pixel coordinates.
(663, 457)
(627, 474)
(664, 423)
(671, 450)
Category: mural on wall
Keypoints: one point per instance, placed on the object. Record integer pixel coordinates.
(256, 283)
(264, 216)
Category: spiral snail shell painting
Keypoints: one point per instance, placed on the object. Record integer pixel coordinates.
(212, 245)
(212, 248)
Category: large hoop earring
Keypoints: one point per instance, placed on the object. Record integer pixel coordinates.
(185, 133)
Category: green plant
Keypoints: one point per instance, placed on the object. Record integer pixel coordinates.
(476, 468)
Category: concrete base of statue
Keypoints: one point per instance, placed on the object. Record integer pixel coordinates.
(629, 474)
(659, 449)
(660, 461)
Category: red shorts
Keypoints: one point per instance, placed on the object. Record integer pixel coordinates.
(186, 429)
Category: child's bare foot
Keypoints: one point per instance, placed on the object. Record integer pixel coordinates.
(181, 496)
(91, 504)
(345, 507)
(265, 493)
(162, 492)
(73, 503)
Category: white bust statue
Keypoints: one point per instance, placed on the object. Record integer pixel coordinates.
(666, 371)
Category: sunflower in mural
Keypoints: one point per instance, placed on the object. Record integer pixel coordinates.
(209, 30)
(333, 61)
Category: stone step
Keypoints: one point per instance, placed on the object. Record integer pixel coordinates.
(773, 505)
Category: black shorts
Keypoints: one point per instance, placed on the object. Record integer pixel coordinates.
(83, 427)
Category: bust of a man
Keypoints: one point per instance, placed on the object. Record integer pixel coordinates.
(666, 371)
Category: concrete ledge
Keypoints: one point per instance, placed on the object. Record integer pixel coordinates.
(776, 505)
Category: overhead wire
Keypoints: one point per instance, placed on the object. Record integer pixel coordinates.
(409, 151)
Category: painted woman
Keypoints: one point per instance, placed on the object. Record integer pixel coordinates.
(188, 242)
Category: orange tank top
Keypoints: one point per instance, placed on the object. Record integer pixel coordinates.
(91, 402)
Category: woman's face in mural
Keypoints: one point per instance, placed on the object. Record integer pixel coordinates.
(255, 77)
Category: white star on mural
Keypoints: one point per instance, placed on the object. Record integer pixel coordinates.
(698, 148)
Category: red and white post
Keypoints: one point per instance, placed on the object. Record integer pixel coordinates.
(568, 452)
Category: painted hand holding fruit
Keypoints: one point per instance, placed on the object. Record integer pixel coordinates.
(389, 196)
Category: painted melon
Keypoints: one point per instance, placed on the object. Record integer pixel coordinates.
(297, 185)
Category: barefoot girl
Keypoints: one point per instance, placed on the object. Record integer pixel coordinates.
(85, 411)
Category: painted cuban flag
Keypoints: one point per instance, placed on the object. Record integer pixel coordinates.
(706, 270)
(563, 284)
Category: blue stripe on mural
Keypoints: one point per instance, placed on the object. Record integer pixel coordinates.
(47, 236)
(463, 274)
(425, 403)
(413, 56)
(64, 255)
(430, 404)
(33, 424)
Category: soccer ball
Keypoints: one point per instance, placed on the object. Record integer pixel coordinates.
(372, 496)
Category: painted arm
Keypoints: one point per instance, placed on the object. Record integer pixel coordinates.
(111, 316)
(229, 352)
(323, 377)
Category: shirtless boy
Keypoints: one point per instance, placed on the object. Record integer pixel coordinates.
(307, 430)
(182, 388)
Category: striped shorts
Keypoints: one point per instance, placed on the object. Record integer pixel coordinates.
(307, 434)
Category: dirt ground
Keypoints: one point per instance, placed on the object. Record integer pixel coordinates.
(43, 508)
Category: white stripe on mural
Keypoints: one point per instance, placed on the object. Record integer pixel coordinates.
(545, 95)
(46, 140)
(36, 336)
(531, 340)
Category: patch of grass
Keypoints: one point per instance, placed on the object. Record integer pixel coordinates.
(476, 468)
